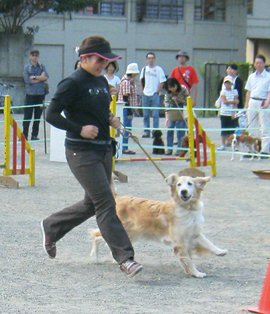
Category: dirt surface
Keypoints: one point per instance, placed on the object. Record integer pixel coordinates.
(237, 218)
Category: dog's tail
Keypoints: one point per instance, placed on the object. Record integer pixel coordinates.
(112, 184)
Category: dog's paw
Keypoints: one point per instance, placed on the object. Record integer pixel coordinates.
(222, 253)
(199, 275)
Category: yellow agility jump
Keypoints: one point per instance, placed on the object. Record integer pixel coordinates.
(8, 170)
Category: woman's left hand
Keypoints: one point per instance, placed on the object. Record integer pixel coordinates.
(113, 90)
(115, 123)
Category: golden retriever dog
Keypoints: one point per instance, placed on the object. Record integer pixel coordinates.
(252, 143)
(177, 222)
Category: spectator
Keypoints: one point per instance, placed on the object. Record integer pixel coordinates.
(35, 75)
(258, 97)
(112, 79)
(232, 70)
(186, 75)
(151, 82)
(175, 96)
(128, 94)
(85, 98)
(229, 100)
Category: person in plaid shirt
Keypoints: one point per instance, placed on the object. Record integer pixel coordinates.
(128, 94)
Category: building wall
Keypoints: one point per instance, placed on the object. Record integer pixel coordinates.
(258, 31)
(204, 41)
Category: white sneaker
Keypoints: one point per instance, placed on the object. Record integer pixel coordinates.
(222, 147)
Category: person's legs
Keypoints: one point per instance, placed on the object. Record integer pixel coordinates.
(155, 103)
(253, 117)
(28, 112)
(128, 125)
(37, 114)
(93, 171)
(180, 124)
(264, 118)
(170, 135)
(146, 114)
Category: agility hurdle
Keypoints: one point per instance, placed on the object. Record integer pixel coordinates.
(195, 127)
(195, 161)
(9, 122)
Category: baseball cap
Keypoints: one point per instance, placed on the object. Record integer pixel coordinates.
(132, 68)
(182, 53)
(228, 79)
(34, 51)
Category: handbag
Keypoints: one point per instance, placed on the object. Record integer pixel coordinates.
(175, 115)
(218, 102)
(46, 87)
(143, 78)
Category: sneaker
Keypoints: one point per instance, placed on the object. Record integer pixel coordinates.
(48, 245)
(168, 152)
(145, 135)
(222, 147)
(130, 267)
(34, 138)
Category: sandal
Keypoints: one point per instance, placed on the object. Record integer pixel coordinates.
(128, 152)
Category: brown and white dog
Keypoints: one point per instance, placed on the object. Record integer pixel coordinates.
(178, 222)
(252, 143)
(185, 144)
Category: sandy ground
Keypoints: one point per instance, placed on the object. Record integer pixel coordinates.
(237, 218)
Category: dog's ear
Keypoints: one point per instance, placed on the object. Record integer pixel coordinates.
(171, 179)
(201, 182)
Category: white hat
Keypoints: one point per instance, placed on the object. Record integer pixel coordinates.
(228, 79)
(132, 68)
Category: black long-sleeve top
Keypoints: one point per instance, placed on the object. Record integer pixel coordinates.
(85, 100)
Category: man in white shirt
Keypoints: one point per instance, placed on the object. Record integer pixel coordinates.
(151, 82)
(258, 97)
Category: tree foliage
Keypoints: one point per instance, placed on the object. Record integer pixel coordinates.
(14, 13)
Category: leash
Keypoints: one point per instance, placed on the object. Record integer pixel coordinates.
(136, 140)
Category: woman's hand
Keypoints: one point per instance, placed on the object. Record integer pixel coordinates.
(115, 122)
(113, 90)
(89, 131)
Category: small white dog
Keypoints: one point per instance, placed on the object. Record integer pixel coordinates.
(177, 222)
(252, 143)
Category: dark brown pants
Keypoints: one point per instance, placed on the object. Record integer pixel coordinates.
(93, 170)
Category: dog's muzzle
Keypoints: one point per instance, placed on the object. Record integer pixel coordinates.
(184, 195)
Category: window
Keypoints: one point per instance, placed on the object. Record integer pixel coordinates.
(159, 10)
(209, 10)
(106, 7)
(250, 7)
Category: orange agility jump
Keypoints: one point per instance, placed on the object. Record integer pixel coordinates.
(24, 146)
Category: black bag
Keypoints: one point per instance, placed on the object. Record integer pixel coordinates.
(47, 88)
(143, 78)
(114, 144)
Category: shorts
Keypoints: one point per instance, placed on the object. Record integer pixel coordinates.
(227, 122)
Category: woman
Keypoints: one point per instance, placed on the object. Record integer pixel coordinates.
(85, 99)
(232, 70)
(175, 96)
(112, 79)
(128, 94)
